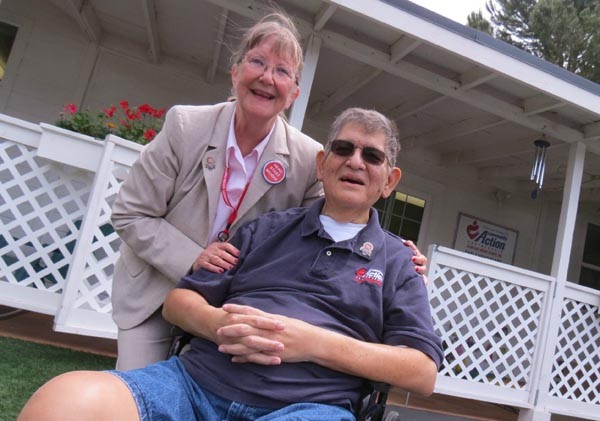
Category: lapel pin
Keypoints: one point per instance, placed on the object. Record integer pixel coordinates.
(366, 249)
(273, 172)
(210, 163)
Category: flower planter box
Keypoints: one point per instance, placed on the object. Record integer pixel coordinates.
(70, 148)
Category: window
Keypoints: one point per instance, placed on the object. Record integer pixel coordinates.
(8, 33)
(401, 214)
(590, 266)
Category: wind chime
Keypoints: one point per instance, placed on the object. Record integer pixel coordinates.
(539, 166)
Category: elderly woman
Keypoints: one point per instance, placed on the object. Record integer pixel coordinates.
(209, 170)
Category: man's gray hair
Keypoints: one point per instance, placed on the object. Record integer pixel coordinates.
(372, 122)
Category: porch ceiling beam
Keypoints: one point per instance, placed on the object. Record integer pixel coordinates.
(448, 87)
(218, 46)
(474, 77)
(539, 104)
(463, 128)
(399, 50)
(85, 16)
(406, 110)
(151, 29)
(380, 59)
(345, 91)
(323, 16)
(403, 47)
(592, 131)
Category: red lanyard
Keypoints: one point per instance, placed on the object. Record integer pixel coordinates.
(224, 234)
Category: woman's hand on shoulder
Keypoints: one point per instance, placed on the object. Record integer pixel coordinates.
(217, 257)
(419, 259)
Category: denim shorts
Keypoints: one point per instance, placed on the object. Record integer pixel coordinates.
(165, 391)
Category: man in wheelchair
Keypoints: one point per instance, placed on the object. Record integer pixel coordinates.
(320, 300)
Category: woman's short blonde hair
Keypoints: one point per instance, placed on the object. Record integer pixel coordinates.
(282, 28)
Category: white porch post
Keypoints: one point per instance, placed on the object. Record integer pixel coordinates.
(311, 59)
(76, 273)
(560, 266)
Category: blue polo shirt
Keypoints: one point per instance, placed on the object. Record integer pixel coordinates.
(365, 288)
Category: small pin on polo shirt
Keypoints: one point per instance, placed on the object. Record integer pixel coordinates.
(366, 249)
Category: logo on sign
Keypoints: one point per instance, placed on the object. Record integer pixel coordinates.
(486, 238)
(473, 230)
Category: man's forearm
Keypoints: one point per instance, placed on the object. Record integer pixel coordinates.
(189, 311)
(407, 368)
(403, 367)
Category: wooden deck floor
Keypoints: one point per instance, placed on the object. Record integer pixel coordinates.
(37, 327)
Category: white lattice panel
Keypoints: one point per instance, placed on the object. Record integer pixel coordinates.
(94, 292)
(576, 368)
(489, 325)
(42, 205)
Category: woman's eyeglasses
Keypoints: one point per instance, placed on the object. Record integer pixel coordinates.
(369, 154)
(280, 73)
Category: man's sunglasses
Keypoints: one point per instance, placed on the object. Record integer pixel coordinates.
(369, 154)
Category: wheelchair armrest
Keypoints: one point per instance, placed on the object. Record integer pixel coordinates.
(373, 405)
(180, 340)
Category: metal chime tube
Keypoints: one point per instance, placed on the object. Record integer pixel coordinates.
(540, 179)
(539, 166)
(534, 170)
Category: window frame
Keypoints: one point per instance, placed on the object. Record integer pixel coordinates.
(423, 231)
(24, 29)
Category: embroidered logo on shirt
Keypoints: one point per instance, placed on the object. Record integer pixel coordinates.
(369, 276)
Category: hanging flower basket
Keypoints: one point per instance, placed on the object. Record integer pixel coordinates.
(137, 124)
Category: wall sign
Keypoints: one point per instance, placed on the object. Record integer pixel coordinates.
(485, 239)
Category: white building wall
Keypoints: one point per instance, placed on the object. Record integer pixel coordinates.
(448, 201)
(41, 78)
(59, 66)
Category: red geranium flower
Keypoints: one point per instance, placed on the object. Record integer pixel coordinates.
(109, 112)
(145, 109)
(139, 124)
(71, 108)
(149, 134)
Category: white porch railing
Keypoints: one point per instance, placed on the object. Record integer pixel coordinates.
(491, 317)
(58, 249)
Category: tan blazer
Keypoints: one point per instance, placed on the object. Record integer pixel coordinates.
(166, 207)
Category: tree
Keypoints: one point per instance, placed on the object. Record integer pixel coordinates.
(568, 32)
(510, 21)
(477, 21)
(564, 32)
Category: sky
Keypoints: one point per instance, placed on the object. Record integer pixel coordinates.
(457, 10)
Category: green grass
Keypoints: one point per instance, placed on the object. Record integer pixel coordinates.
(25, 366)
